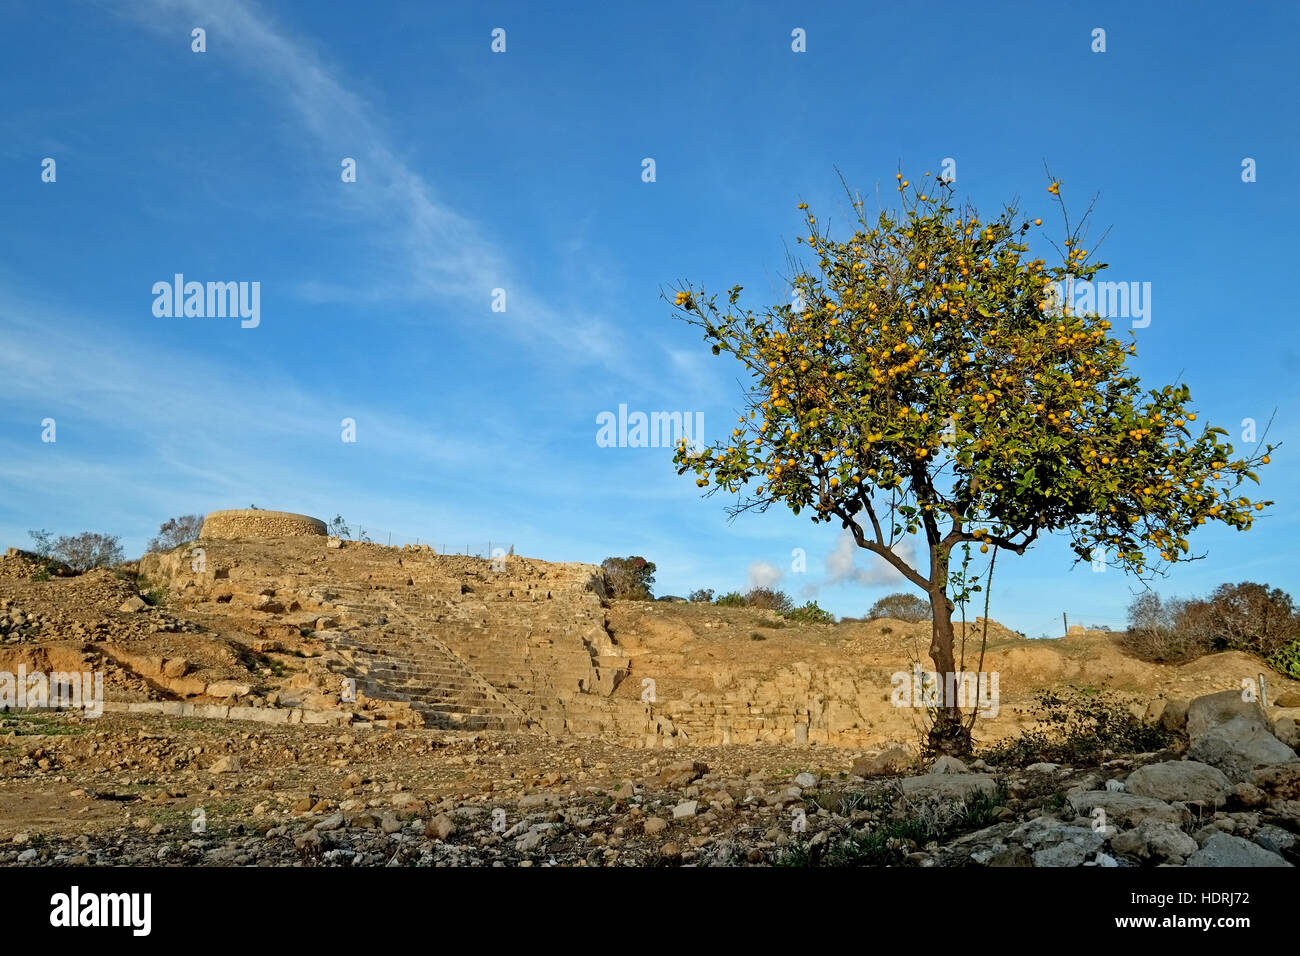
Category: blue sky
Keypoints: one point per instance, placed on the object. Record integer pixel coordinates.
(522, 171)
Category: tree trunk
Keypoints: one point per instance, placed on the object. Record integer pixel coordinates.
(948, 735)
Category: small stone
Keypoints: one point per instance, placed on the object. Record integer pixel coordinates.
(948, 764)
(176, 667)
(685, 809)
(440, 827)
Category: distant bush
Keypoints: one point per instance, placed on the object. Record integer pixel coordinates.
(176, 531)
(1244, 617)
(1078, 729)
(810, 613)
(81, 552)
(763, 599)
(1252, 617)
(701, 596)
(338, 528)
(768, 600)
(631, 578)
(1165, 631)
(901, 607)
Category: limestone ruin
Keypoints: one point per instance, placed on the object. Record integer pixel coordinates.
(256, 523)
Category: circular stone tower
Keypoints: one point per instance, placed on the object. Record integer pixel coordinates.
(255, 523)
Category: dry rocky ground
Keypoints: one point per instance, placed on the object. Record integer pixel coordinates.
(131, 790)
(499, 720)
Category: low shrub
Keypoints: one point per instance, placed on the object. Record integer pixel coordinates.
(1286, 660)
(768, 599)
(810, 613)
(1078, 728)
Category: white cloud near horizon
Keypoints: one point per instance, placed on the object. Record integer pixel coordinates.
(764, 574)
(841, 564)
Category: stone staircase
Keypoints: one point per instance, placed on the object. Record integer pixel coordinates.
(470, 652)
(468, 643)
(393, 659)
(541, 657)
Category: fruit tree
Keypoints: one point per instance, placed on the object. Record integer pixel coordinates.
(926, 385)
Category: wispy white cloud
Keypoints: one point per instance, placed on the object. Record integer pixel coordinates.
(424, 250)
(49, 361)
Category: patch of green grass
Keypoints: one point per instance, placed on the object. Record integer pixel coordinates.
(1055, 802)
(888, 844)
(26, 723)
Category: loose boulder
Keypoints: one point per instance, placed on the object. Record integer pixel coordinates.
(1233, 734)
(1185, 780)
(1239, 747)
(1224, 849)
(1124, 808)
(1211, 710)
(1156, 841)
(948, 786)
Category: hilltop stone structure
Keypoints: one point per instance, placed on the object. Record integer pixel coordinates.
(255, 523)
